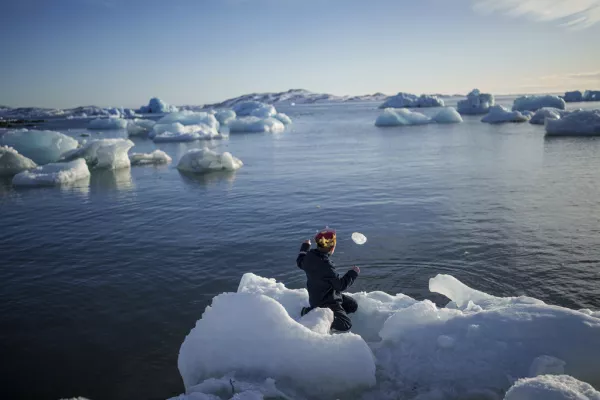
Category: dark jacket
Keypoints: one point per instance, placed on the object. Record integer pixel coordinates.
(324, 284)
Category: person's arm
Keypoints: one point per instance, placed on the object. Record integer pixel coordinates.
(343, 283)
(303, 250)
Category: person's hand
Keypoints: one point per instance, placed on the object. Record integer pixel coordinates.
(356, 269)
(307, 242)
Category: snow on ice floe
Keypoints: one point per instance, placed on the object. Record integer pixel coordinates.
(206, 160)
(401, 117)
(476, 103)
(552, 387)
(40, 146)
(155, 158)
(498, 114)
(11, 162)
(139, 127)
(576, 123)
(408, 100)
(103, 153)
(108, 123)
(478, 344)
(534, 103)
(448, 115)
(255, 124)
(157, 106)
(225, 116)
(53, 174)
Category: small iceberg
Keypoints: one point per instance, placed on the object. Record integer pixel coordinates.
(225, 116)
(448, 115)
(401, 117)
(498, 114)
(157, 157)
(534, 103)
(576, 123)
(139, 127)
(283, 118)
(573, 97)
(476, 103)
(108, 123)
(40, 146)
(255, 124)
(408, 100)
(187, 118)
(53, 174)
(157, 106)
(541, 115)
(11, 162)
(202, 161)
(103, 153)
(255, 109)
(176, 132)
(591, 95)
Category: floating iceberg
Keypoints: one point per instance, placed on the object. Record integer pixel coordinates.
(187, 118)
(476, 103)
(552, 387)
(254, 109)
(103, 153)
(401, 117)
(477, 344)
(591, 95)
(40, 146)
(498, 114)
(11, 162)
(448, 115)
(266, 111)
(205, 160)
(255, 124)
(540, 116)
(534, 103)
(156, 157)
(176, 132)
(138, 127)
(53, 174)
(576, 123)
(157, 106)
(225, 116)
(108, 123)
(283, 118)
(408, 100)
(573, 97)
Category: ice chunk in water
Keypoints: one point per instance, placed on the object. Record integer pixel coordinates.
(11, 162)
(476, 103)
(401, 117)
(254, 124)
(156, 157)
(498, 114)
(577, 123)
(551, 387)
(573, 97)
(40, 146)
(225, 116)
(283, 118)
(540, 116)
(206, 160)
(104, 153)
(402, 100)
(265, 111)
(186, 118)
(359, 238)
(157, 106)
(108, 123)
(137, 127)
(448, 115)
(254, 108)
(534, 103)
(53, 174)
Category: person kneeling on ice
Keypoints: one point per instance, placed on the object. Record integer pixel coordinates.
(323, 283)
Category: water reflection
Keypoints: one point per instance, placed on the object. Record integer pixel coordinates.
(208, 179)
(107, 179)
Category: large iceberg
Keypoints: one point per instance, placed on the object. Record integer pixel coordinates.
(478, 345)
(534, 103)
(401, 117)
(408, 100)
(498, 114)
(11, 162)
(551, 387)
(40, 146)
(108, 123)
(573, 97)
(476, 103)
(540, 116)
(255, 124)
(591, 95)
(205, 160)
(138, 127)
(225, 116)
(448, 115)
(104, 153)
(576, 123)
(157, 106)
(53, 174)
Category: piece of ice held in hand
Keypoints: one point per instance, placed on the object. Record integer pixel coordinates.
(359, 238)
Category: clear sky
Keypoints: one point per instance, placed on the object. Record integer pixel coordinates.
(64, 53)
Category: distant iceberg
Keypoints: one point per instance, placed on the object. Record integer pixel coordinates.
(591, 95)
(108, 123)
(53, 174)
(540, 116)
(11, 162)
(498, 114)
(408, 100)
(573, 97)
(476, 103)
(448, 115)
(176, 132)
(204, 160)
(190, 118)
(157, 106)
(40, 146)
(534, 103)
(139, 127)
(155, 158)
(255, 124)
(103, 153)
(577, 123)
(401, 117)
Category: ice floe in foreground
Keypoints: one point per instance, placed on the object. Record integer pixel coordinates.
(254, 341)
(534, 103)
(108, 123)
(156, 157)
(103, 153)
(476, 103)
(40, 146)
(408, 100)
(552, 387)
(498, 114)
(205, 160)
(53, 174)
(11, 162)
(576, 123)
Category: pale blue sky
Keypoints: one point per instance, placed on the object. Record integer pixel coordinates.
(65, 53)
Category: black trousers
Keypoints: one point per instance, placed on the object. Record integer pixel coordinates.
(341, 321)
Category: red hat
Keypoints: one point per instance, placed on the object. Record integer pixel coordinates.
(326, 238)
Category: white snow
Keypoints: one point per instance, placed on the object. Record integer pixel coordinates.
(544, 113)
(283, 118)
(552, 387)
(157, 106)
(40, 146)
(498, 114)
(401, 117)
(156, 157)
(448, 115)
(108, 123)
(254, 108)
(206, 160)
(408, 100)
(573, 97)
(576, 123)
(104, 153)
(477, 345)
(534, 103)
(359, 238)
(225, 116)
(53, 174)
(138, 127)
(476, 103)
(11, 162)
(255, 124)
